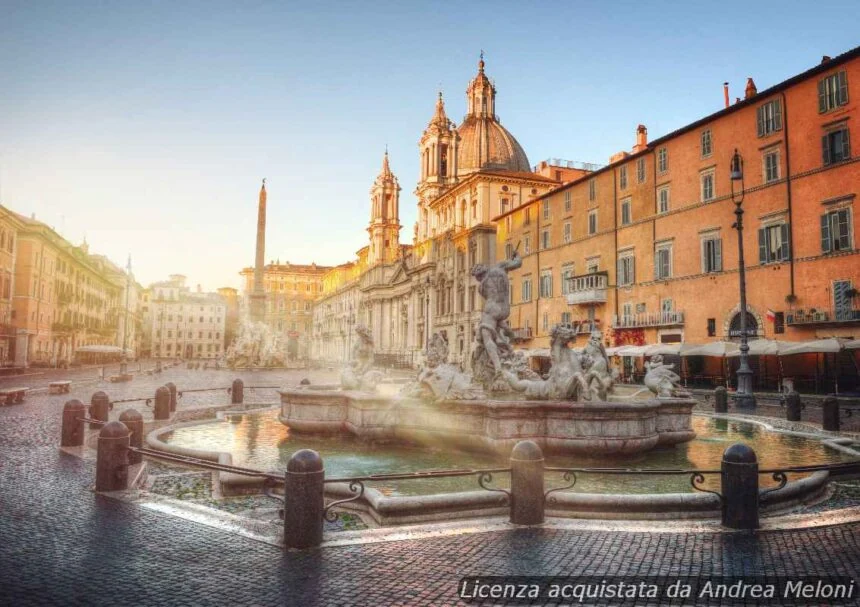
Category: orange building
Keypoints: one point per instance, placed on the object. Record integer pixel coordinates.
(644, 249)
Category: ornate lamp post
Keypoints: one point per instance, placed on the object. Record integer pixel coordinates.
(744, 397)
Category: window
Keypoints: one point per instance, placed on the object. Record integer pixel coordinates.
(545, 205)
(622, 177)
(769, 118)
(712, 327)
(527, 244)
(663, 262)
(544, 239)
(832, 92)
(567, 202)
(625, 212)
(527, 216)
(592, 265)
(545, 321)
(779, 322)
(663, 199)
(771, 166)
(503, 206)
(640, 170)
(773, 243)
(707, 182)
(565, 318)
(667, 306)
(509, 250)
(626, 270)
(527, 289)
(836, 146)
(545, 284)
(592, 222)
(592, 189)
(712, 255)
(567, 233)
(836, 231)
(706, 143)
(566, 276)
(662, 160)
(627, 310)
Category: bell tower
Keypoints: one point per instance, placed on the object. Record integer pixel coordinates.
(438, 155)
(384, 227)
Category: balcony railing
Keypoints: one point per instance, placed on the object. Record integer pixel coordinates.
(522, 334)
(658, 319)
(811, 317)
(587, 289)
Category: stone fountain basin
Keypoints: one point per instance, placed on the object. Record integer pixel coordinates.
(613, 428)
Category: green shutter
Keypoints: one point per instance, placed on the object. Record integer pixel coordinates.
(784, 251)
(846, 145)
(760, 116)
(777, 115)
(825, 150)
(718, 255)
(843, 219)
(762, 246)
(842, 88)
(826, 239)
(656, 265)
(822, 96)
(631, 276)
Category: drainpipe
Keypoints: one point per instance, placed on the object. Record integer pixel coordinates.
(615, 230)
(788, 194)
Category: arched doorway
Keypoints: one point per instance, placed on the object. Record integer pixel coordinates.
(735, 326)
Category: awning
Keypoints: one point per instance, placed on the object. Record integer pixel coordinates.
(854, 344)
(715, 348)
(832, 344)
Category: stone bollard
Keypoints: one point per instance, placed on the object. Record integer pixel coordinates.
(527, 497)
(237, 392)
(721, 400)
(172, 387)
(792, 406)
(99, 407)
(134, 422)
(73, 429)
(305, 382)
(112, 457)
(740, 487)
(162, 403)
(123, 368)
(303, 500)
(158, 366)
(830, 414)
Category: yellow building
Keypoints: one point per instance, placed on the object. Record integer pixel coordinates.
(10, 224)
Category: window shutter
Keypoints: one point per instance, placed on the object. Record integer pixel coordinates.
(846, 145)
(762, 246)
(784, 252)
(826, 239)
(844, 229)
(631, 275)
(656, 265)
(760, 115)
(619, 270)
(842, 88)
(822, 96)
(718, 255)
(825, 150)
(777, 115)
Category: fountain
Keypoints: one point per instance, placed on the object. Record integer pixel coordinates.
(256, 346)
(576, 408)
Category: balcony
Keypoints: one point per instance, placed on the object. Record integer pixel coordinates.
(658, 319)
(522, 334)
(822, 317)
(587, 289)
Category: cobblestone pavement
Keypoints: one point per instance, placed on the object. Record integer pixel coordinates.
(61, 544)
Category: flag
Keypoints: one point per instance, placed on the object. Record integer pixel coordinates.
(771, 315)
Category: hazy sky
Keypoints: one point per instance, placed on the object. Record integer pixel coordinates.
(147, 126)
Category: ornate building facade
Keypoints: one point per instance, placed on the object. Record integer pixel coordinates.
(404, 293)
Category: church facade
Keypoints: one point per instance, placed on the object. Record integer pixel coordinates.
(406, 292)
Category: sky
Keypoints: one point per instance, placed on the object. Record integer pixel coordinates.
(146, 127)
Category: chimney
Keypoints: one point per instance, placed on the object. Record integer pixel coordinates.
(726, 92)
(641, 138)
(750, 90)
(825, 59)
(737, 99)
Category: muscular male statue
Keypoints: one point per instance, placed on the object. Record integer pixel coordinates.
(495, 288)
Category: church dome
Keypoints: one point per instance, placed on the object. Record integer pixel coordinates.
(486, 144)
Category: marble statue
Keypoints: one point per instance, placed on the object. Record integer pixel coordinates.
(441, 380)
(599, 378)
(565, 380)
(256, 345)
(662, 380)
(358, 374)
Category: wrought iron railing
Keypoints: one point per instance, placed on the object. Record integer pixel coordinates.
(654, 319)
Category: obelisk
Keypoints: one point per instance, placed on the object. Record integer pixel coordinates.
(258, 296)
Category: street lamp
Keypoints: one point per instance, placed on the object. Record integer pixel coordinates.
(744, 397)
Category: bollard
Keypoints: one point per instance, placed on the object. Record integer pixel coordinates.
(134, 422)
(238, 392)
(830, 414)
(792, 406)
(99, 406)
(112, 457)
(172, 387)
(162, 403)
(721, 400)
(527, 497)
(158, 366)
(740, 487)
(303, 500)
(73, 429)
(305, 382)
